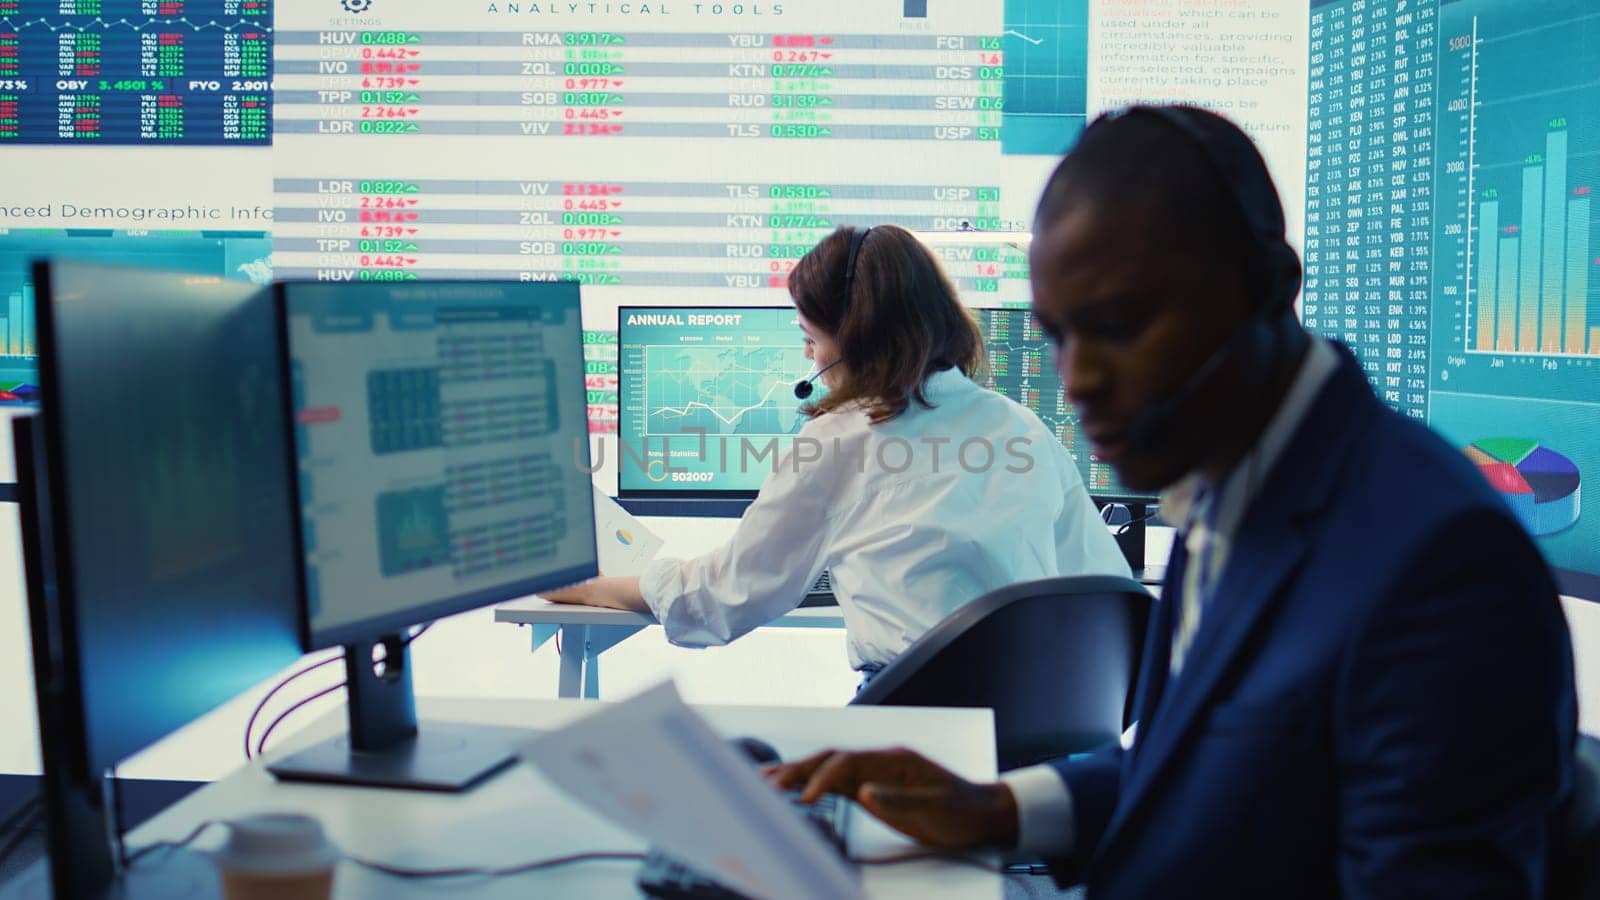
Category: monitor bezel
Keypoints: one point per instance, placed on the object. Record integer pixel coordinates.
(54, 529)
(376, 627)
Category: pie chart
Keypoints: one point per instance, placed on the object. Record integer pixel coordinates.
(1542, 486)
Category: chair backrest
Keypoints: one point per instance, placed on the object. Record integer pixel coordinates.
(1054, 658)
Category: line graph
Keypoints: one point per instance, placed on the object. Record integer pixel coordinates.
(98, 24)
(740, 390)
(1046, 52)
(730, 419)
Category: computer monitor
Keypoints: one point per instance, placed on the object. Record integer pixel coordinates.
(1022, 366)
(707, 404)
(157, 526)
(707, 401)
(442, 453)
(241, 255)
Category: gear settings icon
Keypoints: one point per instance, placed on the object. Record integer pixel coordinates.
(356, 7)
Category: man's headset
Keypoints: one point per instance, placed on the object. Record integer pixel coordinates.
(1274, 266)
(804, 387)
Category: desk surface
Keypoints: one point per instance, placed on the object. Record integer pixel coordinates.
(538, 611)
(517, 816)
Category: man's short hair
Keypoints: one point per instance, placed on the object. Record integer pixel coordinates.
(1190, 183)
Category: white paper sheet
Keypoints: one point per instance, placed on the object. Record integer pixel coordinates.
(653, 766)
(626, 546)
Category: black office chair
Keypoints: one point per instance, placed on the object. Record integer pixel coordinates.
(1575, 863)
(1055, 659)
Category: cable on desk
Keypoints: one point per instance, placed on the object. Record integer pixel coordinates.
(403, 872)
(1127, 526)
(553, 862)
(501, 872)
(23, 821)
(927, 855)
(261, 746)
(16, 816)
(185, 841)
(250, 725)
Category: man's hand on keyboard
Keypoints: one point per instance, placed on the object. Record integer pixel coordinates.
(911, 794)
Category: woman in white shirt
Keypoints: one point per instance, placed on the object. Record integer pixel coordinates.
(919, 490)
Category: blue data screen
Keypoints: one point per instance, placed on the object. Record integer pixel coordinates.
(1453, 240)
(242, 255)
(184, 72)
(707, 395)
(442, 446)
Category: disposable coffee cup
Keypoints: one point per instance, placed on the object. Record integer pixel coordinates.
(276, 856)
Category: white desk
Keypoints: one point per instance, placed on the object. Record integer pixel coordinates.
(588, 631)
(518, 817)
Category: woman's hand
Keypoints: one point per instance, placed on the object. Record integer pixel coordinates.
(611, 592)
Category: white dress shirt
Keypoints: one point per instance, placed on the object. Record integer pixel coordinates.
(914, 518)
(1044, 805)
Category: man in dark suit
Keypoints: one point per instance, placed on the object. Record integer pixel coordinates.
(1359, 679)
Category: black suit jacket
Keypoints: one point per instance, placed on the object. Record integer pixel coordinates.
(1379, 700)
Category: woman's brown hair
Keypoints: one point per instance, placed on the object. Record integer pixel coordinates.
(900, 323)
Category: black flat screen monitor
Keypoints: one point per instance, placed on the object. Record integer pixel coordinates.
(1022, 366)
(158, 527)
(706, 398)
(169, 481)
(441, 445)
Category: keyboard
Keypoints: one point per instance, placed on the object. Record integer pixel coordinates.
(821, 592)
(662, 876)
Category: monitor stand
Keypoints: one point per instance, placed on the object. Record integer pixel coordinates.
(1130, 537)
(385, 747)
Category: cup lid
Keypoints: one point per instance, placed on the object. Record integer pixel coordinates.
(277, 844)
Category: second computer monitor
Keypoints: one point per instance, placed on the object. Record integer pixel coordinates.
(1022, 366)
(707, 398)
(442, 448)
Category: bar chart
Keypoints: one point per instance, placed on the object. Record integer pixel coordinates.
(1534, 258)
(1519, 159)
(16, 335)
(1515, 333)
(230, 254)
